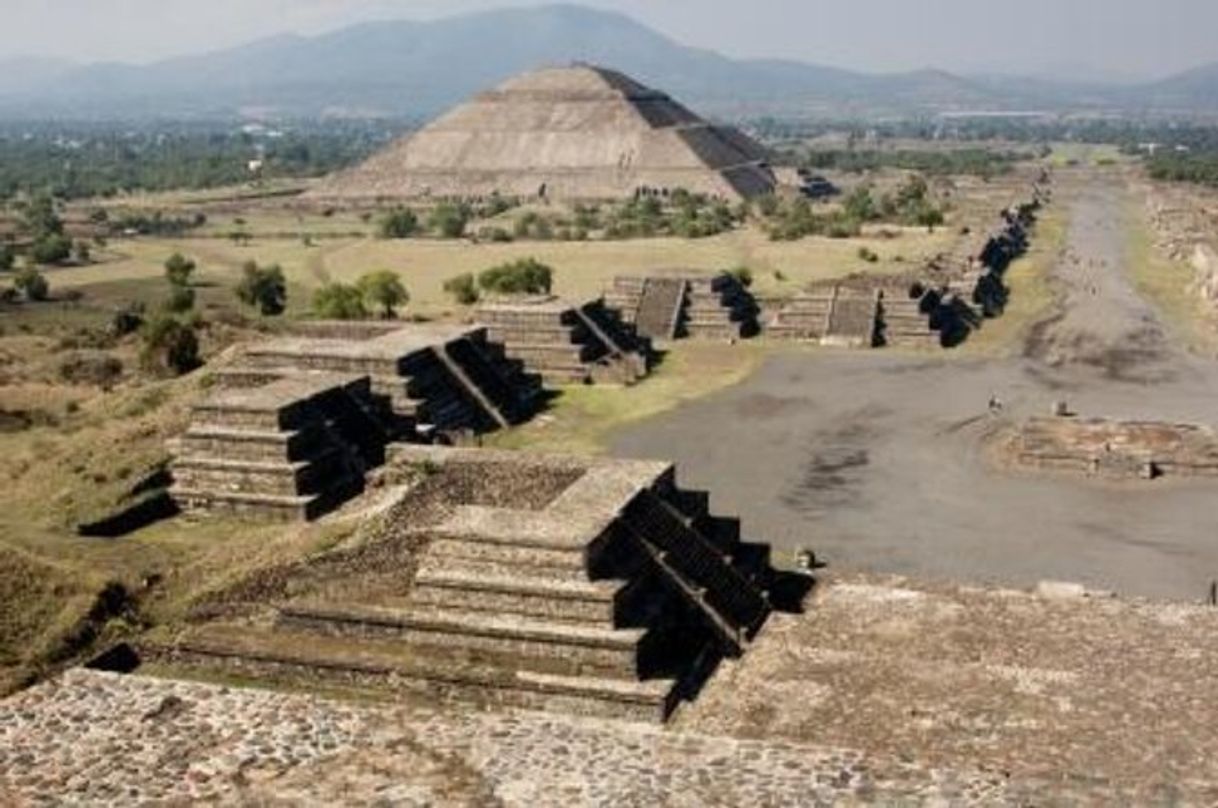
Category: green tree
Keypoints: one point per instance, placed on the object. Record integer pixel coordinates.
(525, 276)
(81, 253)
(178, 269)
(339, 301)
(51, 248)
(31, 283)
(263, 287)
(399, 223)
(384, 289)
(463, 288)
(8, 257)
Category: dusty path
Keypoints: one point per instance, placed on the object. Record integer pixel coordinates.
(873, 459)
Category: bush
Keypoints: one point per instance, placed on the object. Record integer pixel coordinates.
(497, 235)
(527, 276)
(463, 288)
(384, 289)
(53, 248)
(263, 287)
(178, 269)
(868, 255)
(449, 220)
(8, 257)
(399, 223)
(181, 299)
(32, 284)
(170, 347)
(127, 320)
(339, 301)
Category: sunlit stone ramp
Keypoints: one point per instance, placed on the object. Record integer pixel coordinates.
(593, 586)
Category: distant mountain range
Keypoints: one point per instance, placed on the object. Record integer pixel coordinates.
(417, 69)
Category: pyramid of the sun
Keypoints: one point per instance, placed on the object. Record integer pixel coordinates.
(577, 132)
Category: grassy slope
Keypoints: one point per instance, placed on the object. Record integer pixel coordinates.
(1170, 287)
(1031, 296)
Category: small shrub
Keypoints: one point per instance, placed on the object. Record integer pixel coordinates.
(178, 269)
(127, 320)
(497, 235)
(744, 275)
(463, 288)
(31, 283)
(181, 299)
(8, 257)
(527, 276)
(339, 301)
(170, 347)
(449, 220)
(868, 255)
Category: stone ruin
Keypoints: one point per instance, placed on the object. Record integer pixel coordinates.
(565, 343)
(671, 306)
(595, 586)
(935, 306)
(1113, 449)
(296, 422)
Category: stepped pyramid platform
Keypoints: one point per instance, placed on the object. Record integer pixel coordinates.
(595, 586)
(566, 343)
(904, 324)
(670, 306)
(578, 132)
(290, 449)
(435, 378)
(839, 316)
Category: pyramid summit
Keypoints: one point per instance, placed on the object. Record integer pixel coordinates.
(577, 132)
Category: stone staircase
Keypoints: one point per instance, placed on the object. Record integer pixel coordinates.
(804, 317)
(615, 597)
(565, 344)
(904, 324)
(838, 316)
(696, 306)
(290, 449)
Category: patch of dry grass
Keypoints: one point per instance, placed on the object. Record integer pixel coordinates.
(1031, 294)
(583, 419)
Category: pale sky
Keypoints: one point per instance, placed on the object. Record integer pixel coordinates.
(1077, 38)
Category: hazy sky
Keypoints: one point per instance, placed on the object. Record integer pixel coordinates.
(1134, 38)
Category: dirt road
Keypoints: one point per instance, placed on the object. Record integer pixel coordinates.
(875, 461)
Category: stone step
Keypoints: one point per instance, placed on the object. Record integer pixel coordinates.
(272, 357)
(551, 561)
(283, 657)
(246, 444)
(284, 508)
(201, 473)
(467, 590)
(524, 642)
(558, 334)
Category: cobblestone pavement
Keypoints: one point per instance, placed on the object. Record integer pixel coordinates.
(92, 738)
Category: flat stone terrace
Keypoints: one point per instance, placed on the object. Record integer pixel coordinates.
(1114, 448)
(884, 691)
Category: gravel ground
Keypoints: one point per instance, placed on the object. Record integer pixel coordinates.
(875, 459)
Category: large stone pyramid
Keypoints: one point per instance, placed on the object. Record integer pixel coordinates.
(577, 132)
